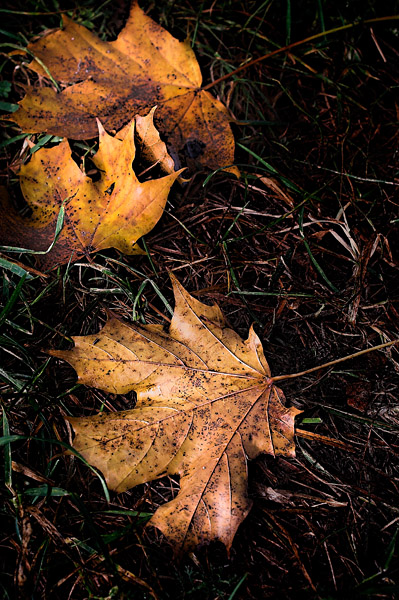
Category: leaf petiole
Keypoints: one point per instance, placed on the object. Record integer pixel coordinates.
(334, 362)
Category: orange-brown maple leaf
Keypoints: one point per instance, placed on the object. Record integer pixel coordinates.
(114, 211)
(143, 67)
(206, 404)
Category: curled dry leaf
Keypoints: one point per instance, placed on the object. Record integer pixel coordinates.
(143, 67)
(205, 404)
(114, 211)
(151, 147)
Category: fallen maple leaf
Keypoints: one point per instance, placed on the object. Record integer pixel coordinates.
(114, 211)
(115, 80)
(205, 404)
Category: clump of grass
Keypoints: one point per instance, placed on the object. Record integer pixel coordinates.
(304, 245)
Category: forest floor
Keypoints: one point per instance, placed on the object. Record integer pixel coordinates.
(304, 245)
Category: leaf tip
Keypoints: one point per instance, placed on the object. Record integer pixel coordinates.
(101, 130)
(175, 282)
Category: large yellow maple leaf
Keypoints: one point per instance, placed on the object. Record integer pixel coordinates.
(143, 67)
(115, 211)
(206, 402)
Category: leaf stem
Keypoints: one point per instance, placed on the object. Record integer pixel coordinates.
(298, 43)
(309, 435)
(334, 362)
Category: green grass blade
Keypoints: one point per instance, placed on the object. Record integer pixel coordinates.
(16, 269)
(312, 258)
(288, 23)
(14, 438)
(149, 256)
(16, 138)
(162, 297)
(12, 300)
(43, 140)
(237, 587)
(321, 14)
(7, 452)
(8, 106)
(127, 513)
(391, 550)
(8, 439)
(46, 490)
